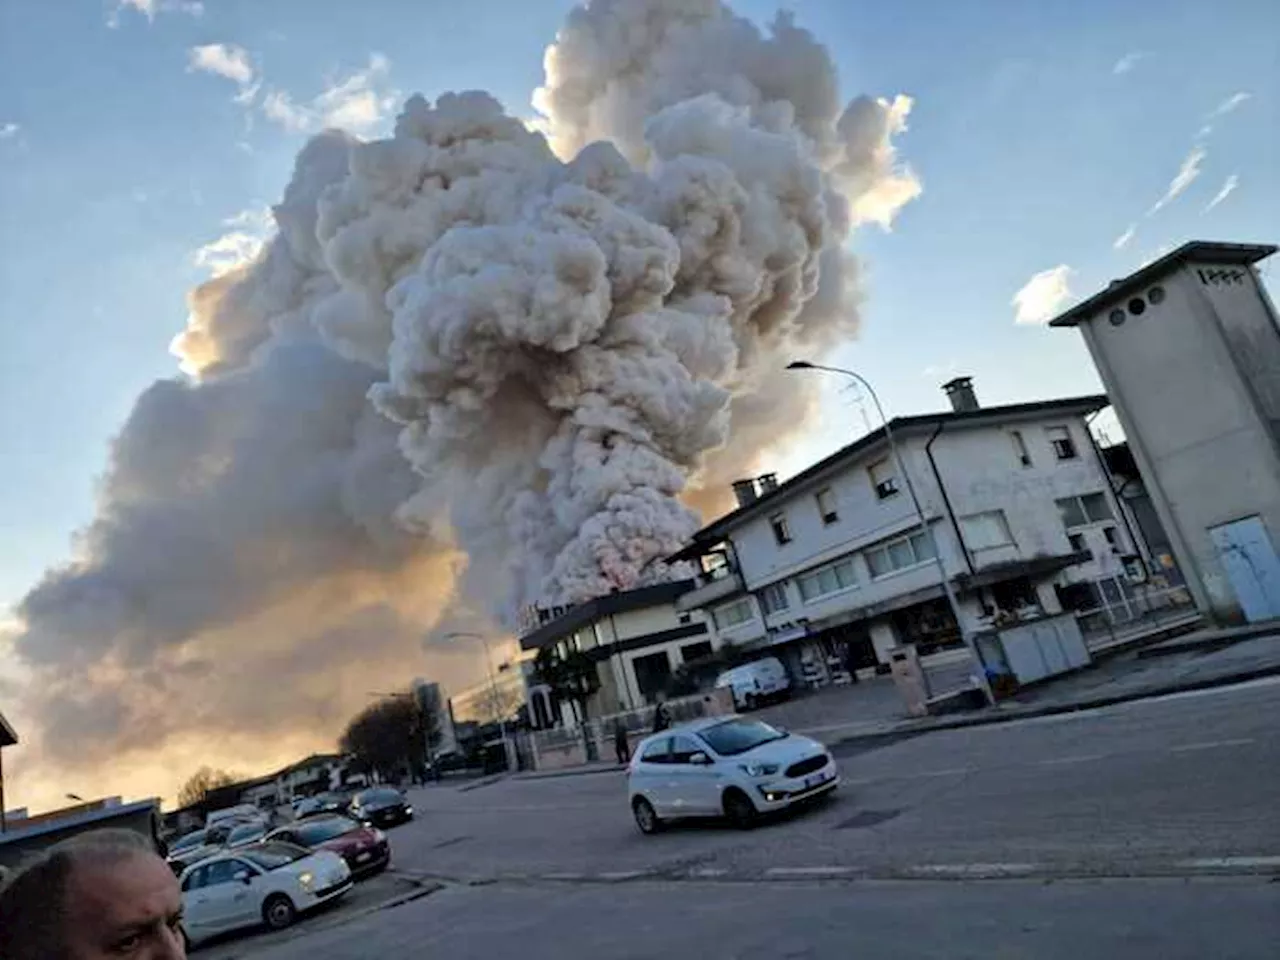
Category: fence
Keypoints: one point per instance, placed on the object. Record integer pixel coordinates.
(1133, 610)
(593, 741)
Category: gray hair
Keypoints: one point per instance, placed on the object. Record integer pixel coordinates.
(33, 903)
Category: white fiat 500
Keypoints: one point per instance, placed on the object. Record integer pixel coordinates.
(270, 883)
(725, 767)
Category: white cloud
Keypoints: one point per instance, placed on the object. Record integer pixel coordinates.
(149, 9)
(236, 247)
(9, 130)
(1130, 60)
(1185, 176)
(357, 103)
(224, 59)
(1228, 187)
(1043, 295)
(1122, 241)
(1229, 104)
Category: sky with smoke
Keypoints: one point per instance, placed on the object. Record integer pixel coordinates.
(470, 357)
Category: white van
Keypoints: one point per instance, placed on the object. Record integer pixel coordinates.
(757, 682)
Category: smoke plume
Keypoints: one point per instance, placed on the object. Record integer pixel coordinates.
(477, 365)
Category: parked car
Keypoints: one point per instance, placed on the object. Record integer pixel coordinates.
(271, 883)
(733, 767)
(364, 848)
(322, 804)
(756, 683)
(381, 806)
(241, 811)
(246, 832)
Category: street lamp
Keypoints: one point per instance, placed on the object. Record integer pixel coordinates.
(493, 685)
(901, 467)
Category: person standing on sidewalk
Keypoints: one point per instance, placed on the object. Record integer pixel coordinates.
(621, 745)
(661, 718)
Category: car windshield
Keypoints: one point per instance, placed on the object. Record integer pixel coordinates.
(246, 831)
(739, 736)
(377, 796)
(272, 856)
(189, 842)
(318, 831)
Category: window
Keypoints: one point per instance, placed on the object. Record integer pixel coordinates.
(899, 554)
(732, 614)
(685, 618)
(1090, 508)
(781, 532)
(883, 479)
(1020, 448)
(1064, 448)
(695, 651)
(683, 749)
(827, 579)
(195, 879)
(221, 871)
(1113, 538)
(1077, 542)
(774, 598)
(986, 531)
(658, 752)
(827, 505)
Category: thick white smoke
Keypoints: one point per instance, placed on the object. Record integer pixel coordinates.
(473, 339)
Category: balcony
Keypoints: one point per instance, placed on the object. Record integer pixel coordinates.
(710, 589)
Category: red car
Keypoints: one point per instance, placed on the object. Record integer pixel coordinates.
(365, 849)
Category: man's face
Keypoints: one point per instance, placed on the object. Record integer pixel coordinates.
(131, 908)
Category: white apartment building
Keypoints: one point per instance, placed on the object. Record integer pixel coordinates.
(834, 566)
(638, 639)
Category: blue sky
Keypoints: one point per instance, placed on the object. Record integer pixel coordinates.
(1041, 133)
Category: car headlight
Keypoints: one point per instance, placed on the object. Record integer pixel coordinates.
(760, 769)
(306, 881)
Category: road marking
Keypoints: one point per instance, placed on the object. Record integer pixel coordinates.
(1060, 761)
(1211, 745)
(973, 869)
(707, 873)
(809, 871)
(953, 772)
(624, 875)
(564, 876)
(1230, 863)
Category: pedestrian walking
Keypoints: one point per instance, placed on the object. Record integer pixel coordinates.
(661, 718)
(621, 745)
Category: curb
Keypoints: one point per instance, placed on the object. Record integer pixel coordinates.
(570, 772)
(1214, 641)
(1077, 706)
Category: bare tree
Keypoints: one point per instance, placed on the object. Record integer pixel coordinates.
(201, 783)
(388, 734)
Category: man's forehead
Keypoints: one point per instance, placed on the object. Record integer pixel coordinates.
(133, 889)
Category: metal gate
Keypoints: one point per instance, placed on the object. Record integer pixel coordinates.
(1250, 560)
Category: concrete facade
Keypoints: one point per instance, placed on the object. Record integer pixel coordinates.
(851, 554)
(1189, 350)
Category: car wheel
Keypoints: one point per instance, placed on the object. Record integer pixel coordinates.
(646, 817)
(739, 809)
(279, 912)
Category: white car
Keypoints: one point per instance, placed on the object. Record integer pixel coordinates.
(270, 883)
(756, 683)
(731, 767)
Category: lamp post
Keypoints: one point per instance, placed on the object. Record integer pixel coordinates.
(925, 529)
(493, 686)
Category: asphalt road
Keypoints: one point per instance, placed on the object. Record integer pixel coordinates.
(1107, 827)
(1154, 787)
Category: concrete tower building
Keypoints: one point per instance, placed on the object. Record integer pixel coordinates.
(1189, 350)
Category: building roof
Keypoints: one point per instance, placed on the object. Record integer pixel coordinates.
(8, 736)
(1200, 251)
(85, 818)
(901, 427)
(592, 610)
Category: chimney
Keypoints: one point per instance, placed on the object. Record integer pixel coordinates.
(960, 392)
(768, 482)
(745, 491)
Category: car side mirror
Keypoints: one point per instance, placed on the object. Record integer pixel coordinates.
(700, 759)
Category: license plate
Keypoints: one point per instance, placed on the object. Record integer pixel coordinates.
(364, 857)
(814, 780)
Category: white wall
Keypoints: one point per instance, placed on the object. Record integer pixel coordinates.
(1193, 381)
